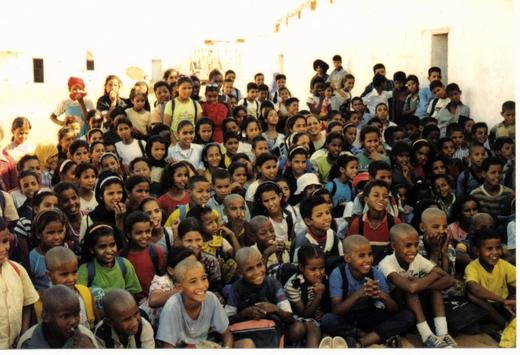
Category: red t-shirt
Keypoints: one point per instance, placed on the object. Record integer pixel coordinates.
(380, 235)
(169, 205)
(143, 265)
(217, 112)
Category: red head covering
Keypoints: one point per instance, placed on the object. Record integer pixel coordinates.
(76, 81)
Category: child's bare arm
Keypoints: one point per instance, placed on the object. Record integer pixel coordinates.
(475, 289)
(443, 283)
(341, 306)
(227, 339)
(270, 308)
(55, 120)
(414, 285)
(158, 298)
(26, 318)
(307, 311)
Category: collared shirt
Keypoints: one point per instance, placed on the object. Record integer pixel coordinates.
(16, 291)
(372, 99)
(193, 154)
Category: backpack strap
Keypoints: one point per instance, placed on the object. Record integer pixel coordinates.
(122, 266)
(2, 204)
(155, 258)
(344, 279)
(434, 102)
(182, 212)
(361, 225)
(104, 332)
(195, 108)
(389, 221)
(137, 335)
(290, 224)
(91, 272)
(14, 266)
(85, 294)
(141, 147)
(167, 239)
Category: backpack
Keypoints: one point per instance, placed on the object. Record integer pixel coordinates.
(337, 212)
(91, 269)
(85, 295)
(104, 332)
(173, 108)
(263, 332)
(434, 102)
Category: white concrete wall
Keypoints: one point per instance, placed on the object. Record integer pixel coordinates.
(481, 44)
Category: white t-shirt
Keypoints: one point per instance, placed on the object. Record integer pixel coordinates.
(419, 267)
(140, 120)
(128, 152)
(251, 190)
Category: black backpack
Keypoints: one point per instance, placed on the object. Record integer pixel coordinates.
(104, 332)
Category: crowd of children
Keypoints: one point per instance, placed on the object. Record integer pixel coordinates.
(218, 220)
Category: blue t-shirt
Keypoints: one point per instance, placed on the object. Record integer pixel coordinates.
(342, 194)
(38, 270)
(336, 286)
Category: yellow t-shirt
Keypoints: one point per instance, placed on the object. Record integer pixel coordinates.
(183, 111)
(496, 281)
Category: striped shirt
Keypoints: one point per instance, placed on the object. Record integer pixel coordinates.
(498, 204)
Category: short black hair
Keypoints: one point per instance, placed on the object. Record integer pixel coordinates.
(280, 77)
(378, 66)
(500, 141)
(413, 78)
(366, 130)
(252, 86)
(258, 139)
(508, 106)
(376, 166)
(374, 183)
(435, 84)
(400, 76)
(265, 157)
(378, 80)
(220, 174)
(434, 70)
(159, 84)
(308, 204)
(483, 234)
(478, 125)
(133, 180)
(194, 180)
(486, 164)
(24, 159)
(452, 87)
(336, 58)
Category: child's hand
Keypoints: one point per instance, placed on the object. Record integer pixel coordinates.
(405, 169)
(236, 186)
(81, 341)
(112, 95)
(119, 210)
(226, 231)
(319, 288)
(267, 307)
(279, 246)
(175, 227)
(256, 313)
(372, 288)
(510, 306)
(374, 155)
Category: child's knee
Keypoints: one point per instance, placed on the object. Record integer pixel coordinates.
(297, 330)
(244, 343)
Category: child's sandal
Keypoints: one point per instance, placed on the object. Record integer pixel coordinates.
(394, 342)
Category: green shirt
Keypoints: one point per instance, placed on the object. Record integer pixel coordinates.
(364, 161)
(108, 278)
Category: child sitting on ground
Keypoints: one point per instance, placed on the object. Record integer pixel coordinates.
(123, 327)
(62, 269)
(412, 274)
(17, 303)
(255, 296)
(376, 223)
(60, 328)
(235, 209)
(272, 248)
(188, 316)
(307, 292)
(360, 296)
(490, 280)
(316, 214)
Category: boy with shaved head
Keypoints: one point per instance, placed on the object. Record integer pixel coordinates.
(123, 327)
(60, 328)
(188, 315)
(360, 295)
(415, 279)
(273, 251)
(62, 269)
(257, 296)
